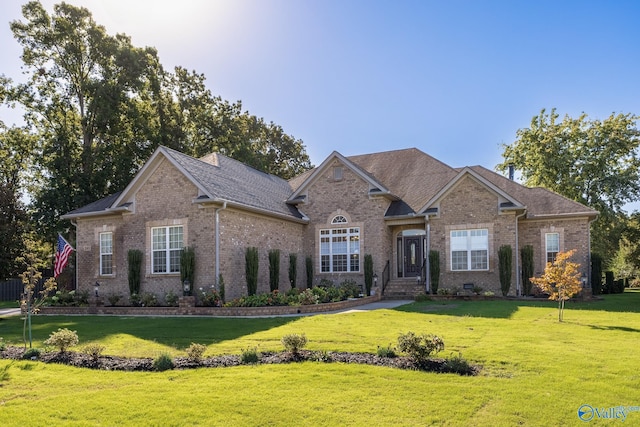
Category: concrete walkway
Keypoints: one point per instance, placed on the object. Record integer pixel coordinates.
(378, 305)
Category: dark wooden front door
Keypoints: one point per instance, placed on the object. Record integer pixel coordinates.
(412, 256)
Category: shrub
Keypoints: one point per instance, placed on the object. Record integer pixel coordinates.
(251, 270)
(63, 338)
(388, 352)
(134, 258)
(209, 297)
(93, 350)
(349, 289)
(368, 273)
(596, 274)
(171, 299)
(274, 269)
(608, 285)
(526, 254)
(504, 265)
(134, 300)
(149, 300)
(477, 290)
(434, 270)
(457, 365)
(3, 345)
(188, 268)
(113, 299)
(31, 354)
(293, 343)
(308, 261)
(195, 352)
(250, 356)
(321, 356)
(488, 294)
(293, 270)
(307, 297)
(419, 347)
(163, 362)
(221, 285)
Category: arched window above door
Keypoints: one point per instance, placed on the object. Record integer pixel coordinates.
(339, 219)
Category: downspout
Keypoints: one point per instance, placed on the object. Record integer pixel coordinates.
(428, 269)
(217, 242)
(75, 224)
(589, 254)
(518, 275)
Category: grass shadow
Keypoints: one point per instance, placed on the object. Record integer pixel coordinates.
(505, 308)
(177, 332)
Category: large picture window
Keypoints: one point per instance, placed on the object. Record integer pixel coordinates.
(340, 250)
(552, 246)
(469, 250)
(106, 254)
(166, 243)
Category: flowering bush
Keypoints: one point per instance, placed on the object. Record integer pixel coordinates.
(419, 347)
(209, 297)
(63, 338)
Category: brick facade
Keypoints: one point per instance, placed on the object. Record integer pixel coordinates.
(164, 196)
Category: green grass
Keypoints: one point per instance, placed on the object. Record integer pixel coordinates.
(537, 371)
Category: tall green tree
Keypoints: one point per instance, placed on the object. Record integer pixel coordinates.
(594, 162)
(15, 154)
(100, 106)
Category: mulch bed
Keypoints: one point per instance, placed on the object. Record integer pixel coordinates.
(114, 363)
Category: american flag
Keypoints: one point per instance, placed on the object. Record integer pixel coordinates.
(62, 256)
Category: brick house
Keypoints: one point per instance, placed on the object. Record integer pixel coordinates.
(395, 206)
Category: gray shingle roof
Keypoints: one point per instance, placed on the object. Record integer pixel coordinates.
(97, 206)
(236, 182)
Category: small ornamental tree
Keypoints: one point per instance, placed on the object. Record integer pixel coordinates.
(561, 280)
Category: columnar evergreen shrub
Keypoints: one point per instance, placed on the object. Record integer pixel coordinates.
(134, 258)
(526, 255)
(251, 270)
(608, 284)
(368, 273)
(309, 266)
(504, 264)
(293, 270)
(596, 274)
(434, 271)
(188, 267)
(274, 269)
(221, 288)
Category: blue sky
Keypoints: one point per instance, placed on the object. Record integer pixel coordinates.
(455, 79)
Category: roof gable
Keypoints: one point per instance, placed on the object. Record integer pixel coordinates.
(507, 201)
(220, 179)
(305, 180)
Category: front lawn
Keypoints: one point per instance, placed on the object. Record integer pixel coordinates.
(536, 371)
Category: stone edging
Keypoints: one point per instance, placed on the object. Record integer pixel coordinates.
(210, 311)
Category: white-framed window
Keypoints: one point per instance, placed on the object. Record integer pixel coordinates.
(106, 254)
(339, 219)
(167, 244)
(470, 249)
(340, 250)
(552, 246)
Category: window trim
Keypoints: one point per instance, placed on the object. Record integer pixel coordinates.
(469, 249)
(353, 240)
(103, 254)
(167, 249)
(546, 246)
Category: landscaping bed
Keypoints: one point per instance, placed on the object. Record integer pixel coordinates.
(114, 363)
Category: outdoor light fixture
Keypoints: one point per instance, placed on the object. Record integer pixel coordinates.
(584, 281)
(187, 286)
(375, 279)
(95, 287)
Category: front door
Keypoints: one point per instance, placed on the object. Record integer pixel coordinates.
(412, 256)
